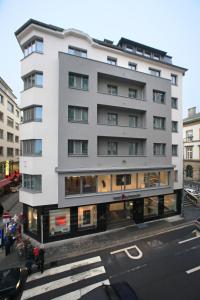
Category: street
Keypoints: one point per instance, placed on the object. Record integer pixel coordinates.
(164, 266)
(11, 203)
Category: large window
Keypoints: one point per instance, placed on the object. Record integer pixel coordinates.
(154, 72)
(32, 182)
(32, 147)
(174, 126)
(32, 220)
(89, 184)
(59, 221)
(10, 107)
(159, 97)
(10, 122)
(78, 81)
(77, 51)
(34, 79)
(174, 102)
(10, 152)
(10, 137)
(189, 152)
(132, 93)
(87, 217)
(174, 150)
(133, 121)
(112, 119)
(151, 207)
(112, 90)
(170, 203)
(112, 148)
(33, 113)
(159, 149)
(136, 148)
(78, 114)
(77, 147)
(173, 79)
(72, 185)
(164, 178)
(104, 183)
(34, 45)
(159, 123)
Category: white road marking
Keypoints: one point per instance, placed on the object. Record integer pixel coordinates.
(188, 240)
(64, 268)
(193, 270)
(127, 252)
(79, 293)
(59, 283)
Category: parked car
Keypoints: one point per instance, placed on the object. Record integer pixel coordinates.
(197, 223)
(115, 291)
(192, 193)
(11, 282)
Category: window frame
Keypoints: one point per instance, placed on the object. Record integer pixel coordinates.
(75, 144)
(174, 79)
(73, 110)
(155, 72)
(75, 77)
(162, 97)
(112, 60)
(77, 51)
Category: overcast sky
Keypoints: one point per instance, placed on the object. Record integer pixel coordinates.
(173, 26)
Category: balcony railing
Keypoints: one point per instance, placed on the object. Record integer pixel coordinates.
(122, 96)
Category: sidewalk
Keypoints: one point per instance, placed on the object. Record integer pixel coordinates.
(99, 241)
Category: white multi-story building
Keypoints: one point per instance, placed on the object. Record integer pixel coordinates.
(102, 132)
(9, 131)
(191, 139)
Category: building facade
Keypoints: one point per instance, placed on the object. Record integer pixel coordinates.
(101, 135)
(191, 139)
(9, 131)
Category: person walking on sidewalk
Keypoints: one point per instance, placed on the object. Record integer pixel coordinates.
(7, 245)
(36, 254)
(41, 259)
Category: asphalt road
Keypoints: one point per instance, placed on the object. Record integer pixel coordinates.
(11, 203)
(158, 268)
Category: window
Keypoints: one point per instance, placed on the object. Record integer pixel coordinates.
(170, 203)
(1, 133)
(159, 97)
(112, 148)
(35, 45)
(1, 99)
(151, 207)
(129, 49)
(112, 60)
(156, 56)
(77, 51)
(132, 66)
(159, 149)
(147, 53)
(17, 113)
(77, 114)
(16, 126)
(32, 147)
(173, 79)
(112, 119)
(77, 81)
(32, 182)
(89, 184)
(159, 123)
(9, 137)
(35, 79)
(139, 51)
(174, 126)
(10, 122)
(124, 179)
(189, 135)
(133, 121)
(9, 151)
(189, 171)
(154, 72)
(87, 217)
(174, 102)
(189, 152)
(132, 93)
(174, 150)
(104, 183)
(175, 175)
(72, 185)
(59, 221)
(16, 152)
(1, 151)
(1, 116)
(32, 220)
(112, 90)
(136, 148)
(10, 107)
(33, 113)
(77, 147)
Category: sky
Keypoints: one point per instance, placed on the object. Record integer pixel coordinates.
(172, 26)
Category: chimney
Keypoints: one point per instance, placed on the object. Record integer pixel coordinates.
(191, 111)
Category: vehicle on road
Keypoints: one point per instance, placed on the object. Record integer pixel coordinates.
(115, 291)
(197, 223)
(11, 282)
(195, 195)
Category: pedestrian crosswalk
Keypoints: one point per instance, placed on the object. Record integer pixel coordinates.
(69, 281)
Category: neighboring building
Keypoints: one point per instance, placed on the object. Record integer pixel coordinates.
(9, 131)
(101, 123)
(191, 138)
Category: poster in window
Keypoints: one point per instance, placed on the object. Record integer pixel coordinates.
(60, 220)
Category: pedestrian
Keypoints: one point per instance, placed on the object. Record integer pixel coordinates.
(41, 259)
(28, 265)
(36, 255)
(7, 245)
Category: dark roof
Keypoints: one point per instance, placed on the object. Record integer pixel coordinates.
(192, 119)
(32, 21)
(129, 42)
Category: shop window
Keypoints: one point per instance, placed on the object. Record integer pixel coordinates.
(170, 203)
(72, 185)
(164, 178)
(141, 181)
(151, 207)
(153, 179)
(59, 221)
(32, 220)
(104, 182)
(87, 217)
(88, 184)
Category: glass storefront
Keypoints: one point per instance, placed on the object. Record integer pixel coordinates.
(104, 183)
(59, 221)
(164, 178)
(170, 203)
(72, 185)
(88, 184)
(151, 207)
(87, 217)
(120, 212)
(32, 220)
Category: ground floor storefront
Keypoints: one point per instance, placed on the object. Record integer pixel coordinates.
(50, 223)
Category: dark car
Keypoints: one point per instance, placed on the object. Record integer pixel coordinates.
(115, 291)
(11, 282)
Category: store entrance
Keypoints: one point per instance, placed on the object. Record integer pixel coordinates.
(119, 214)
